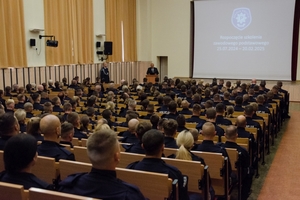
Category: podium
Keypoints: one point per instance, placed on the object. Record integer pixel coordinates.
(151, 78)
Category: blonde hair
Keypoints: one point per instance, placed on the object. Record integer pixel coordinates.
(101, 126)
(185, 142)
(111, 106)
(20, 114)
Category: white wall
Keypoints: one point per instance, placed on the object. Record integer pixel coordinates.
(34, 18)
(164, 28)
(99, 25)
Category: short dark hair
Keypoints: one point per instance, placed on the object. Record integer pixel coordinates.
(211, 113)
(238, 100)
(142, 128)
(180, 120)
(152, 141)
(66, 127)
(16, 159)
(249, 110)
(154, 119)
(220, 108)
(90, 111)
(106, 114)
(172, 106)
(7, 123)
(170, 126)
(72, 117)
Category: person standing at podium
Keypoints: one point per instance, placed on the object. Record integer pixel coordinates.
(104, 73)
(152, 70)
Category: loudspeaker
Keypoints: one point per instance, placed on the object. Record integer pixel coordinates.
(98, 44)
(32, 42)
(52, 43)
(108, 48)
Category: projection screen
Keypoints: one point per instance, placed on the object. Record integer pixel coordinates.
(243, 39)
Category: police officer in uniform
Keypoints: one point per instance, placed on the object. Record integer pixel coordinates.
(104, 74)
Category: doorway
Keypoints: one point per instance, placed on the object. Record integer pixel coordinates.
(162, 66)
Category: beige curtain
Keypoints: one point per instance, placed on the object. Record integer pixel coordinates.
(116, 13)
(71, 21)
(12, 34)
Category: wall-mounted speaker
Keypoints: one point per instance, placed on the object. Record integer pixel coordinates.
(32, 42)
(108, 48)
(98, 44)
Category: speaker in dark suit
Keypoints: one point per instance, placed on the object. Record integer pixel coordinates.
(152, 70)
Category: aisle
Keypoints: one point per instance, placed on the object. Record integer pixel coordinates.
(283, 178)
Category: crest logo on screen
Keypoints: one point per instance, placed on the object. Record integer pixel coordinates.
(241, 18)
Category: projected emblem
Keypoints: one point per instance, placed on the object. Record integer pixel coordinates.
(241, 18)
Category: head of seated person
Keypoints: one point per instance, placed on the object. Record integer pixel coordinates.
(185, 142)
(153, 143)
(9, 125)
(50, 127)
(74, 119)
(103, 149)
(231, 133)
(48, 107)
(22, 158)
(208, 131)
(238, 100)
(170, 127)
(142, 128)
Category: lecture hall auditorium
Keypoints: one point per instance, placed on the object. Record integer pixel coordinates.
(50, 62)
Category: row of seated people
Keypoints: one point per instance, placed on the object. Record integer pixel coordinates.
(50, 127)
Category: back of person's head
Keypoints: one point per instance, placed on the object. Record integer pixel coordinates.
(208, 104)
(226, 95)
(56, 101)
(153, 142)
(245, 97)
(20, 114)
(103, 149)
(166, 100)
(170, 126)
(238, 100)
(67, 107)
(84, 120)
(10, 103)
(260, 99)
(220, 108)
(196, 109)
(185, 104)
(73, 118)
(185, 142)
(216, 97)
(208, 130)
(195, 134)
(262, 83)
(33, 126)
(229, 110)
(21, 97)
(19, 152)
(150, 108)
(207, 93)
(154, 119)
(249, 110)
(50, 126)
(172, 106)
(180, 120)
(142, 128)
(241, 121)
(145, 103)
(48, 107)
(132, 124)
(111, 106)
(67, 130)
(270, 95)
(106, 114)
(255, 106)
(131, 115)
(90, 111)
(9, 125)
(211, 113)
(231, 133)
(131, 104)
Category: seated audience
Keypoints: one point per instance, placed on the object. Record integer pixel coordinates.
(9, 127)
(169, 130)
(33, 128)
(104, 153)
(74, 119)
(67, 133)
(220, 120)
(153, 143)
(185, 108)
(181, 123)
(20, 155)
(20, 114)
(51, 128)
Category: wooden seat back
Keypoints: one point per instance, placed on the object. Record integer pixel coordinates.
(38, 194)
(46, 169)
(2, 161)
(243, 142)
(128, 158)
(12, 191)
(217, 164)
(152, 185)
(233, 157)
(81, 154)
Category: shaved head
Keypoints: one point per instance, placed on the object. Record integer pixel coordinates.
(241, 121)
(132, 124)
(50, 126)
(208, 130)
(231, 132)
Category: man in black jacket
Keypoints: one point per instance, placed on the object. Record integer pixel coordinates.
(152, 70)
